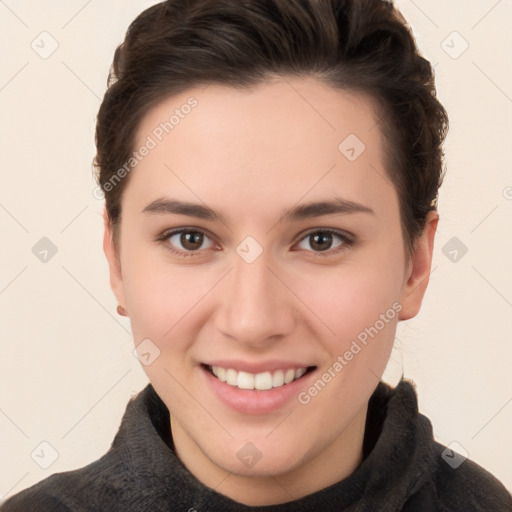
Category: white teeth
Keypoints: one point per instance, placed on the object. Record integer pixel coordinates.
(245, 380)
(221, 373)
(300, 372)
(260, 381)
(278, 379)
(232, 377)
(289, 376)
(263, 381)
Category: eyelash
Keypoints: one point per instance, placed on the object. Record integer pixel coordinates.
(346, 240)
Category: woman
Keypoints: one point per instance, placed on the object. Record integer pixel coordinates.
(270, 171)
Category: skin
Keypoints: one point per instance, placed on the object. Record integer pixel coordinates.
(249, 155)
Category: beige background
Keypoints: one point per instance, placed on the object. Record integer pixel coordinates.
(67, 368)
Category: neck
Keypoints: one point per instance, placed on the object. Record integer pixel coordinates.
(333, 463)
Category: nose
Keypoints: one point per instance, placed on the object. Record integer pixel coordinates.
(256, 309)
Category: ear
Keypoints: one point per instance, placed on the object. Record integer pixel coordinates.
(116, 277)
(418, 272)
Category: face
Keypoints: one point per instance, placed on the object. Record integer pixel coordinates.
(260, 241)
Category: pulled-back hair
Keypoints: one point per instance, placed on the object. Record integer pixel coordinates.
(355, 45)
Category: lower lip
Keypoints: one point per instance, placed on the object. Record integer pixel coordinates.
(255, 401)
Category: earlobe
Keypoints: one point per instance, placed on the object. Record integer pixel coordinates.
(116, 278)
(418, 272)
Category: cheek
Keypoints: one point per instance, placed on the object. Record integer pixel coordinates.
(163, 309)
(361, 310)
(348, 300)
(159, 295)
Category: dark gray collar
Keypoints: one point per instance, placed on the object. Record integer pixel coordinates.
(397, 448)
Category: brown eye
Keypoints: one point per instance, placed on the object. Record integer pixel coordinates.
(323, 241)
(188, 241)
(191, 241)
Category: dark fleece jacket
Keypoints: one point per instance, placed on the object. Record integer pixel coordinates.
(403, 469)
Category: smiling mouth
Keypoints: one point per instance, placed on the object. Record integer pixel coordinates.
(258, 381)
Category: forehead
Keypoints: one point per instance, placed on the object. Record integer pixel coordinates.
(303, 105)
(276, 141)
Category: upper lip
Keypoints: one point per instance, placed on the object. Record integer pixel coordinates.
(257, 366)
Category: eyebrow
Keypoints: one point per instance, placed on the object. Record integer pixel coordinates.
(173, 206)
(301, 212)
(319, 208)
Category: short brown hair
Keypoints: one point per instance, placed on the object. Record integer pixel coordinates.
(359, 45)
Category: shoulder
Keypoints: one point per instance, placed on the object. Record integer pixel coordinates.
(36, 500)
(120, 480)
(459, 484)
(109, 483)
(45, 496)
(440, 479)
(469, 484)
(68, 491)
